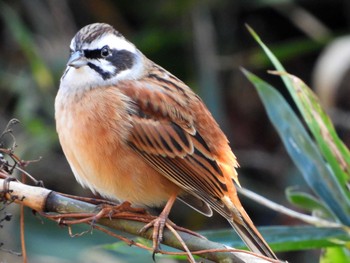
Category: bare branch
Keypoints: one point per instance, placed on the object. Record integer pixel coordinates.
(313, 220)
(45, 201)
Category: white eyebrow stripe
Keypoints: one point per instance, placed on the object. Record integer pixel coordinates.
(111, 40)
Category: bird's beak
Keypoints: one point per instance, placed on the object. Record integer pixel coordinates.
(77, 60)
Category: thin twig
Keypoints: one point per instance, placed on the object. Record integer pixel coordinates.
(178, 237)
(8, 130)
(249, 255)
(282, 209)
(23, 242)
(110, 233)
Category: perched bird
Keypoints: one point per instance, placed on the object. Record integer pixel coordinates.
(132, 131)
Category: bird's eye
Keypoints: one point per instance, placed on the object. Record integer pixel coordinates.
(105, 51)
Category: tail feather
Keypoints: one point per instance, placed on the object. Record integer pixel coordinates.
(251, 236)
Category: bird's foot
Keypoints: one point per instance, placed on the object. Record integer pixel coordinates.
(158, 225)
(111, 211)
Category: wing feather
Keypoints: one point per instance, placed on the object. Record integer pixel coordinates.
(168, 132)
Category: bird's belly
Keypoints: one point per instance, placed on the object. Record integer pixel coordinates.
(94, 140)
(124, 176)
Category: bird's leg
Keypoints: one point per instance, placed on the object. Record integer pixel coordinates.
(110, 210)
(159, 223)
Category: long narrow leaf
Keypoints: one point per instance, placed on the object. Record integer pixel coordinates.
(302, 149)
(308, 202)
(332, 148)
(335, 254)
(287, 238)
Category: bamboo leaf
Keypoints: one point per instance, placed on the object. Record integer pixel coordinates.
(303, 150)
(308, 202)
(335, 254)
(332, 148)
(287, 238)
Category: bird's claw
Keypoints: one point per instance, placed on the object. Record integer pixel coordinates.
(158, 225)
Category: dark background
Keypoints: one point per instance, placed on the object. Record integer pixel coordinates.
(204, 43)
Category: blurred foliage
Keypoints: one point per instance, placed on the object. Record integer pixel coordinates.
(35, 36)
(282, 238)
(323, 160)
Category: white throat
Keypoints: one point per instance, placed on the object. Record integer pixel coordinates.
(85, 78)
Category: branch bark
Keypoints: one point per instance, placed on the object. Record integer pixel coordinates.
(46, 201)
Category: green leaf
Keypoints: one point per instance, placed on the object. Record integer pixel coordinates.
(302, 150)
(287, 238)
(335, 254)
(308, 202)
(332, 148)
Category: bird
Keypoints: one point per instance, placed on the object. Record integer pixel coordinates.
(132, 131)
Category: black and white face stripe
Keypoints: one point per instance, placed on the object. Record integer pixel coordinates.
(120, 60)
(101, 56)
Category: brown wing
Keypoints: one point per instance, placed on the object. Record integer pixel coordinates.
(176, 134)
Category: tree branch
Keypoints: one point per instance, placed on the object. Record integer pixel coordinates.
(47, 202)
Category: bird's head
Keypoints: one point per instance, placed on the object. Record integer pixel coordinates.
(101, 56)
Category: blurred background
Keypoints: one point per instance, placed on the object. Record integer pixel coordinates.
(204, 43)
